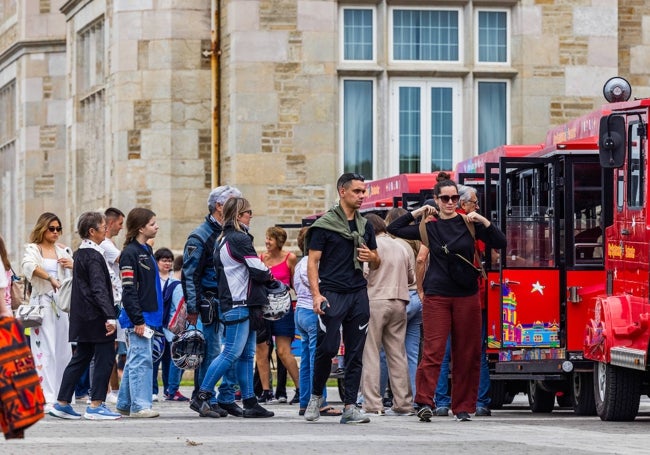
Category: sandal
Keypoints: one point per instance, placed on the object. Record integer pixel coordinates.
(331, 412)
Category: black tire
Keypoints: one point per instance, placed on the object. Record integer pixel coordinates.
(617, 392)
(539, 399)
(341, 386)
(497, 394)
(583, 394)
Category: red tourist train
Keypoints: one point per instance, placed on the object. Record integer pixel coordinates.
(568, 309)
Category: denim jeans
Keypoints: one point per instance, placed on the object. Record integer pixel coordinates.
(411, 341)
(442, 397)
(136, 387)
(213, 339)
(174, 379)
(238, 351)
(307, 327)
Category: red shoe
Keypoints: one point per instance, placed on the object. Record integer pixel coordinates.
(178, 396)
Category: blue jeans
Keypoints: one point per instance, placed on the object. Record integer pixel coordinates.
(212, 334)
(136, 387)
(238, 351)
(307, 327)
(411, 341)
(442, 398)
(173, 379)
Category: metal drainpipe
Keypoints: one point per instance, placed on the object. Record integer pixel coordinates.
(215, 60)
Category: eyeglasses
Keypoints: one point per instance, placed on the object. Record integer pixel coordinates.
(445, 198)
(473, 202)
(54, 228)
(250, 212)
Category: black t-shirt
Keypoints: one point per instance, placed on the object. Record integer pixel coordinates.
(336, 269)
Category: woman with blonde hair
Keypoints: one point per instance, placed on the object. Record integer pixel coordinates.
(46, 264)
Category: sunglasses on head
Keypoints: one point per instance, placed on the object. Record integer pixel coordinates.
(54, 228)
(445, 198)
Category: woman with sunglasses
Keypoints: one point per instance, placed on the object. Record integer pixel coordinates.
(46, 264)
(451, 303)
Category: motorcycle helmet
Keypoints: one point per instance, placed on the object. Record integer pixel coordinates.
(279, 300)
(157, 346)
(188, 349)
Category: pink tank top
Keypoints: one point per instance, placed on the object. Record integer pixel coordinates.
(282, 271)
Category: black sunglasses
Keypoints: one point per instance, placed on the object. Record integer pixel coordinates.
(445, 198)
(54, 228)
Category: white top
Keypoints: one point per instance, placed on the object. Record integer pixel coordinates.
(50, 266)
(112, 256)
(301, 285)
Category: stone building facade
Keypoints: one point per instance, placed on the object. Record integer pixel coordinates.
(108, 102)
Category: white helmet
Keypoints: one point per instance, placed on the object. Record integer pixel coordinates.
(279, 300)
(188, 349)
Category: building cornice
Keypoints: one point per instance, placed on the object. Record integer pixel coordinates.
(71, 7)
(21, 48)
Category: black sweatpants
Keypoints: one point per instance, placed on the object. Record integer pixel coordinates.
(104, 354)
(352, 312)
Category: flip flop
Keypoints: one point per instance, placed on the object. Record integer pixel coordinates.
(331, 412)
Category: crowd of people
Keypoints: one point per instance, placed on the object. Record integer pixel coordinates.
(389, 289)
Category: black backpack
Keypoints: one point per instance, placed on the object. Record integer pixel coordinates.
(167, 294)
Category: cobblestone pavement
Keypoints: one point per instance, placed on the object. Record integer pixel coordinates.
(179, 430)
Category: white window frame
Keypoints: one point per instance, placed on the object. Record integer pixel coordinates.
(342, 10)
(428, 63)
(425, 85)
(342, 122)
(508, 83)
(508, 36)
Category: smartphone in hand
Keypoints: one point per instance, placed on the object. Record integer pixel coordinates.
(148, 332)
(324, 305)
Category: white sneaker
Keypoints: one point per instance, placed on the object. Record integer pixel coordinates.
(312, 413)
(391, 412)
(154, 397)
(144, 414)
(111, 398)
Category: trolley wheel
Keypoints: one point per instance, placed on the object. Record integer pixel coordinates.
(617, 392)
(540, 399)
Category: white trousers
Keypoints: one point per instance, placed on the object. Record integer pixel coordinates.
(50, 347)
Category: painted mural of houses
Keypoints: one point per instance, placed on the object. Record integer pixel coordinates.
(535, 334)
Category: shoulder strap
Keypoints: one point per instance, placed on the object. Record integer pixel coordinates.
(470, 225)
(472, 231)
(423, 232)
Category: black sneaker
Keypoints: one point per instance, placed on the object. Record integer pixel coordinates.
(219, 410)
(296, 397)
(425, 413)
(201, 404)
(267, 397)
(463, 417)
(483, 412)
(232, 408)
(256, 411)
